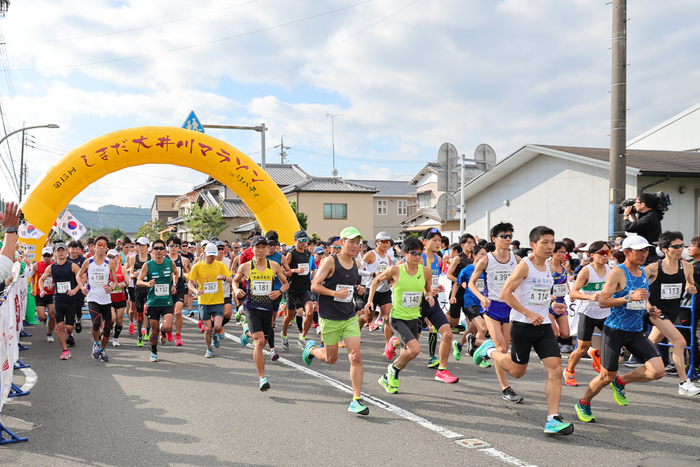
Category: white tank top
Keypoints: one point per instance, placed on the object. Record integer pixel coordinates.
(380, 265)
(595, 284)
(497, 273)
(226, 287)
(534, 293)
(98, 277)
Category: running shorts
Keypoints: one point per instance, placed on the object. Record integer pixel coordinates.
(155, 312)
(586, 326)
(64, 311)
(405, 330)
(614, 339)
(525, 336)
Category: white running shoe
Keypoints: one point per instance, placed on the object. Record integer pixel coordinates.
(115, 342)
(49, 338)
(688, 389)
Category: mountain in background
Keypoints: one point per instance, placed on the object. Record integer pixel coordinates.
(110, 216)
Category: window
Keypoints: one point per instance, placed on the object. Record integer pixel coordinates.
(402, 208)
(335, 211)
(381, 207)
(424, 200)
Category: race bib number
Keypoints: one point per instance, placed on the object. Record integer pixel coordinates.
(117, 289)
(98, 279)
(434, 282)
(539, 296)
(480, 285)
(210, 287)
(303, 269)
(500, 278)
(161, 290)
(364, 280)
(671, 291)
(637, 305)
(351, 292)
(261, 287)
(179, 272)
(559, 290)
(381, 268)
(48, 282)
(138, 273)
(411, 299)
(63, 287)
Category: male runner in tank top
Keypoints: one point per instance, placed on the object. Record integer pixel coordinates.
(336, 283)
(433, 314)
(63, 273)
(260, 298)
(528, 292)
(127, 253)
(498, 266)
(140, 293)
(669, 279)
(75, 256)
(411, 285)
(94, 278)
(461, 261)
(299, 288)
(43, 292)
(374, 263)
(277, 257)
(159, 276)
(185, 252)
(625, 291)
(588, 289)
(182, 265)
(228, 298)
(118, 295)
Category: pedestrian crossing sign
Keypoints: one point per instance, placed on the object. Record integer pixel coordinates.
(192, 123)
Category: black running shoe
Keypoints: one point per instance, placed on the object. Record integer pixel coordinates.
(70, 340)
(510, 395)
(78, 327)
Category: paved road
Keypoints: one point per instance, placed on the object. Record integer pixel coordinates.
(190, 411)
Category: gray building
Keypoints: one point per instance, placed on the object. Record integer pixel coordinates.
(390, 204)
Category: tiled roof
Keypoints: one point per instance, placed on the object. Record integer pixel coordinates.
(470, 171)
(286, 174)
(388, 187)
(230, 207)
(247, 227)
(328, 185)
(191, 196)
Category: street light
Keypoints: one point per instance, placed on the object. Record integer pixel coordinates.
(21, 163)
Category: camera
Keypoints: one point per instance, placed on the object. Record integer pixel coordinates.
(663, 201)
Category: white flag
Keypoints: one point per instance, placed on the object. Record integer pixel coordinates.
(72, 226)
(57, 225)
(27, 230)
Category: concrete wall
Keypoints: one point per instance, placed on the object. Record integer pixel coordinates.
(360, 208)
(569, 197)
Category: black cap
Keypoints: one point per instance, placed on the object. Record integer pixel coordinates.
(300, 234)
(272, 236)
(257, 240)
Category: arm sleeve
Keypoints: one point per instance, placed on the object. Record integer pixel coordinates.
(363, 272)
(5, 268)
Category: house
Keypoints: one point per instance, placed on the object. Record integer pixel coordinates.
(163, 208)
(390, 204)
(566, 188)
(678, 133)
(332, 204)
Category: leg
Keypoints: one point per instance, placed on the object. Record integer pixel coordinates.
(207, 332)
(563, 323)
(217, 324)
(652, 370)
(61, 334)
(178, 317)
(577, 354)
(599, 382)
(664, 328)
(500, 334)
(289, 316)
(411, 351)
(552, 387)
(308, 317)
(328, 354)
(106, 326)
(385, 311)
(41, 313)
(446, 344)
(353, 346)
(52, 319)
(155, 328)
(258, 357)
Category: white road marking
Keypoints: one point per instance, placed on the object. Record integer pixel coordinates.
(30, 379)
(386, 405)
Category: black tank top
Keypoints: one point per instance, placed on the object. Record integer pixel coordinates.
(464, 261)
(138, 265)
(79, 261)
(335, 308)
(63, 274)
(299, 283)
(180, 280)
(666, 291)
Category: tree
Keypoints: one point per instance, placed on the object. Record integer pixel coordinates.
(315, 237)
(150, 230)
(301, 217)
(116, 234)
(205, 222)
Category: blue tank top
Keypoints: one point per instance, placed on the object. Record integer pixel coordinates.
(629, 317)
(465, 275)
(277, 258)
(435, 268)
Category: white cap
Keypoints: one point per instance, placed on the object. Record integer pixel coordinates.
(204, 243)
(142, 241)
(47, 251)
(211, 249)
(383, 236)
(635, 242)
(112, 253)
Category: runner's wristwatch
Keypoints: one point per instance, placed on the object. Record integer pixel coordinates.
(627, 298)
(11, 229)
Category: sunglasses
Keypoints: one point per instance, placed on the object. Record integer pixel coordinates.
(172, 245)
(236, 248)
(111, 257)
(100, 244)
(383, 241)
(159, 248)
(505, 236)
(602, 252)
(220, 248)
(337, 247)
(302, 240)
(415, 253)
(46, 256)
(677, 247)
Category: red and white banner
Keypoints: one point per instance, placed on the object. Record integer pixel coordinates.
(12, 311)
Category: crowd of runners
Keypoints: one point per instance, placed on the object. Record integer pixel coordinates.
(505, 302)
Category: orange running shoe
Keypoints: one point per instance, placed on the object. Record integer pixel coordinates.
(570, 378)
(595, 357)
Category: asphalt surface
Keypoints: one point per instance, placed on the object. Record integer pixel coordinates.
(190, 411)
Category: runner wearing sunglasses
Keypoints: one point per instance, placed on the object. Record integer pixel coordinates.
(299, 288)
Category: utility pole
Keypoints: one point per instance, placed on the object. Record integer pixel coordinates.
(332, 117)
(618, 117)
(22, 174)
(283, 153)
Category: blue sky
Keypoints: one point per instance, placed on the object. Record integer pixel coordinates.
(405, 75)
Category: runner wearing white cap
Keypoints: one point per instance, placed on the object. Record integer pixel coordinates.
(374, 263)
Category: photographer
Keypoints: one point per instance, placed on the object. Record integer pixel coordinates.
(644, 219)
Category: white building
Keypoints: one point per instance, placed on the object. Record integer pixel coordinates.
(679, 133)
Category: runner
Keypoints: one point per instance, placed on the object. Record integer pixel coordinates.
(128, 253)
(118, 296)
(182, 265)
(43, 292)
(560, 322)
(376, 262)
(299, 288)
(411, 285)
(433, 316)
(276, 256)
(336, 282)
(458, 263)
(140, 293)
(205, 279)
(160, 277)
(63, 273)
(94, 278)
(472, 309)
(498, 267)
(228, 302)
(186, 252)
(625, 291)
(669, 279)
(260, 298)
(588, 288)
(75, 249)
(528, 292)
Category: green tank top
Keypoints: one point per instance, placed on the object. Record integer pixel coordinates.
(407, 294)
(162, 273)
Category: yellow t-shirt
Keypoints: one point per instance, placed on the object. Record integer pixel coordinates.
(205, 275)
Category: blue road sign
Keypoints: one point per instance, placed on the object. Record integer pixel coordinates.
(192, 123)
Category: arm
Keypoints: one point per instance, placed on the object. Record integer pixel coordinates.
(652, 272)
(428, 273)
(326, 270)
(689, 281)
(9, 219)
(519, 274)
(140, 281)
(80, 277)
(452, 268)
(279, 272)
(581, 281)
(479, 269)
(241, 275)
(615, 284)
(391, 273)
(46, 275)
(75, 269)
